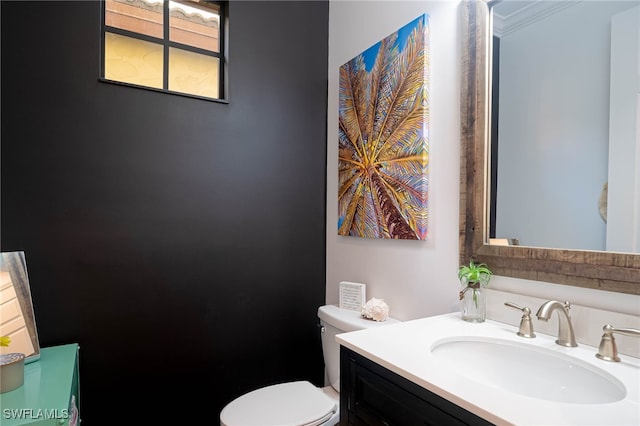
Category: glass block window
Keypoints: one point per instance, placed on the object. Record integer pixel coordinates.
(171, 46)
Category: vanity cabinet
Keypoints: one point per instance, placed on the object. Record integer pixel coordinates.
(373, 395)
(50, 394)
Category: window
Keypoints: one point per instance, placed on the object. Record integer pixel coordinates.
(171, 46)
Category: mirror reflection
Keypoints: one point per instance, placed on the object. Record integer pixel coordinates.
(17, 319)
(565, 147)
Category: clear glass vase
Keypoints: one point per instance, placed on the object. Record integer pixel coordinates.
(473, 303)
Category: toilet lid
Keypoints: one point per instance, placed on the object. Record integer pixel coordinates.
(291, 404)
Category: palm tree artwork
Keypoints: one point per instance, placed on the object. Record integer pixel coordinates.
(383, 137)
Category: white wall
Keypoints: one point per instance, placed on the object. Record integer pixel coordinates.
(623, 208)
(418, 278)
(415, 278)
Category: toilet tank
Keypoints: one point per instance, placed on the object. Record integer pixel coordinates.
(335, 321)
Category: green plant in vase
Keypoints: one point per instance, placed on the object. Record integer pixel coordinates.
(473, 277)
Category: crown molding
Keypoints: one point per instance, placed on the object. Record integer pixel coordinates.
(510, 21)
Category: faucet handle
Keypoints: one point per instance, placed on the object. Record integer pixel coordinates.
(526, 326)
(608, 350)
(513, 305)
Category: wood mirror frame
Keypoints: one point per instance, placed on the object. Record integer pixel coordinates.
(618, 272)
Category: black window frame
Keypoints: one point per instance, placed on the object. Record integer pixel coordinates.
(167, 44)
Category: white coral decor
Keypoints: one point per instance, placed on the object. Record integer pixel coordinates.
(376, 309)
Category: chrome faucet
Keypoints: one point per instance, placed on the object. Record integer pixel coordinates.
(566, 336)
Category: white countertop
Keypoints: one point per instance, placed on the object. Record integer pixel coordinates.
(405, 348)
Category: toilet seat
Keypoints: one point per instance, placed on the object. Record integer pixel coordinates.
(285, 404)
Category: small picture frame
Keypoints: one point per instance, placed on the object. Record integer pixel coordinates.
(352, 295)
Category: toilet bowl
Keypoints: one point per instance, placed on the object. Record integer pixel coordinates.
(300, 403)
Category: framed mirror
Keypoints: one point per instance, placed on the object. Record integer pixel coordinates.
(598, 269)
(17, 319)
(564, 148)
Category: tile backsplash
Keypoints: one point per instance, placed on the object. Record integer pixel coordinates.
(587, 321)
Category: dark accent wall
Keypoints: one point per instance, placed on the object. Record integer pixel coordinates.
(180, 242)
(495, 106)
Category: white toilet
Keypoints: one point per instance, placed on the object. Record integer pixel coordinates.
(301, 403)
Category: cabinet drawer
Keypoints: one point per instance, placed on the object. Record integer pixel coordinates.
(373, 395)
(376, 400)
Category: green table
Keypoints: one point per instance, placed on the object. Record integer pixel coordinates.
(51, 391)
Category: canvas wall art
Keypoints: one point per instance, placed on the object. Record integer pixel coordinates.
(383, 137)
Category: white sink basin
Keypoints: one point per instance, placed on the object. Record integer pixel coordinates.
(529, 370)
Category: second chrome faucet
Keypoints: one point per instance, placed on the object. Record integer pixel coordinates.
(566, 336)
